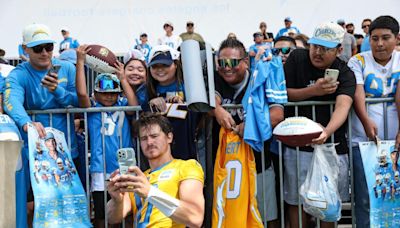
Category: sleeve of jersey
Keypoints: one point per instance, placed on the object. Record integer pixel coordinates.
(2, 80)
(357, 64)
(275, 85)
(68, 96)
(14, 99)
(191, 169)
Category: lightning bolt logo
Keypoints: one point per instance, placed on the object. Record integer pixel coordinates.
(220, 201)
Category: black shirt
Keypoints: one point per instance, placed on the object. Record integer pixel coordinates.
(231, 96)
(300, 73)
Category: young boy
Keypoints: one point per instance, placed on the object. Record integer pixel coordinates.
(113, 127)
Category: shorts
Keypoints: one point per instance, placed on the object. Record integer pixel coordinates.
(269, 193)
(98, 204)
(290, 187)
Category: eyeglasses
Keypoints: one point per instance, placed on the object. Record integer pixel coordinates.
(364, 26)
(229, 62)
(284, 50)
(322, 49)
(39, 48)
(107, 84)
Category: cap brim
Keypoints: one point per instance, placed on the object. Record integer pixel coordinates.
(328, 44)
(166, 62)
(39, 42)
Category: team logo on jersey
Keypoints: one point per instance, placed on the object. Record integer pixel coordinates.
(165, 175)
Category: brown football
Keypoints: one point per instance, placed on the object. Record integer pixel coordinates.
(101, 59)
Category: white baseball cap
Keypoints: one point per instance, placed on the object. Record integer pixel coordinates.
(36, 34)
(327, 34)
(133, 54)
(166, 59)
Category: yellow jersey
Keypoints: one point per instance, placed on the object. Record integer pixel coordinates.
(167, 178)
(235, 175)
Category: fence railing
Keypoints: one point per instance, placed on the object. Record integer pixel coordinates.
(70, 111)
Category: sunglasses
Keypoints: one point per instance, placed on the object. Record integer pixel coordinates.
(39, 48)
(107, 84)
(284, 50)
(189, 25)
(229, 62)
(364, 26)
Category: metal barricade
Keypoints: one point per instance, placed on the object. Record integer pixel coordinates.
(347, 205)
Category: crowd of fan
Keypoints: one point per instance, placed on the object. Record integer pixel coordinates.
(151, 76)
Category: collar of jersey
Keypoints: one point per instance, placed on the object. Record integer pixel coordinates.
(160, 167)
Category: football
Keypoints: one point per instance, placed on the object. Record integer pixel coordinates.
(297, 131)
(101, 59)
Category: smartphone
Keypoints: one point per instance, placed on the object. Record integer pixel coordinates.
(126, 157)
(331, 75)
(54, 69)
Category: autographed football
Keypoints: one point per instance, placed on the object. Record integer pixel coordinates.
(101, 59)
(297, 131)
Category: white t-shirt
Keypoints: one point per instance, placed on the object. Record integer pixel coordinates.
(173, 41)
(379, 81)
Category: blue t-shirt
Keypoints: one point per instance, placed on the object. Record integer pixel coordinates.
(21, 51)
(365, 46)
(184, 123)
(68, 43)
(145, 49)
(254, 47)
(113, 133)
(282, 31)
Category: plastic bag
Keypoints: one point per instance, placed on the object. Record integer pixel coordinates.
(319, 192)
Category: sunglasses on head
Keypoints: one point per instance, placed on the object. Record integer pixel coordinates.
(39, 48)
(284, 50)
(107, 84)
(229, 62)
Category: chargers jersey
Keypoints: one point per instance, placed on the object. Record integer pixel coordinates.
(379, 81)
(167, 178)
(235, 203)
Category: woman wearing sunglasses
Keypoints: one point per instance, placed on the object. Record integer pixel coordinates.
(165, 89)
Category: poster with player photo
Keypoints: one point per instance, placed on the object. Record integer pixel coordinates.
(60, 200)
(381, 168)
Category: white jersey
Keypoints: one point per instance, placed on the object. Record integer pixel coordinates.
(172, 41)
(379, 81)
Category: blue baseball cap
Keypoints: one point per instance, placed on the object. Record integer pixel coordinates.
(36, 34)
(49, 135)
(162, 54)
(328, 34)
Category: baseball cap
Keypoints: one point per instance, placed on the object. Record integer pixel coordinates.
(257, 34)
(36, 34)
(107, 83)
(49, 135)
(327, 34)
(143, 35)
(65, 29)
(133, 54)
(68, 55)
(288, 19)
(168, 23)
(162, 54)
(341, 21)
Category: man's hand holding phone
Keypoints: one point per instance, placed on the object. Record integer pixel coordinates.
(50, 80)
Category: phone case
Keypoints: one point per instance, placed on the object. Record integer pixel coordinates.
(126, 157)
(331, 74)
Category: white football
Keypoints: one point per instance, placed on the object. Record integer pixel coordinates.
(297, 131)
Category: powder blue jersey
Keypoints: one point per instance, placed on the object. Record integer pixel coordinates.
(68, 43)
(145, 49)
(267, 86)
(117, 134)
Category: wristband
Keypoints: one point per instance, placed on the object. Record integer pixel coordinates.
(164, 202)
